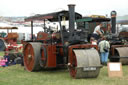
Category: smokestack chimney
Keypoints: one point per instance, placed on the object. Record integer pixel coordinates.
(113, 21)
(71, 17)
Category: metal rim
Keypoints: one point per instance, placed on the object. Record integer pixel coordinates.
(31, 56)
(73, 65)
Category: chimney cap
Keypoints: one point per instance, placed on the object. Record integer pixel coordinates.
(71, 4)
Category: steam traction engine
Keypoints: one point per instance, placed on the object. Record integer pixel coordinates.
(9, 40)
(63, 47)
(118, 40)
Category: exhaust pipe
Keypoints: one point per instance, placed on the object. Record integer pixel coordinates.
(113, 21)
(71, 17)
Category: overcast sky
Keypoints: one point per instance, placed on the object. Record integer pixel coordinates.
(85, 7)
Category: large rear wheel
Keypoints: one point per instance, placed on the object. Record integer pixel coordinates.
(32, 55)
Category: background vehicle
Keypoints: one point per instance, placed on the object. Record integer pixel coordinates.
(8, 44)
(9, 38)
(118, 40)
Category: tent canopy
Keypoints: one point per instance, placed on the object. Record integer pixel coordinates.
(8, 28)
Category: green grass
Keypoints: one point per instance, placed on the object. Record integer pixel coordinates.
(1, 53)
(16, 75)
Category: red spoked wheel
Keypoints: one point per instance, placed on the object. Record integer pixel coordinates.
(31, 56)
(73, 65)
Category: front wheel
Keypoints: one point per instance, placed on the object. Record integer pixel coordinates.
(84, 63)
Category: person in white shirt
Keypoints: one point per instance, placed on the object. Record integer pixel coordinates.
(98, 31)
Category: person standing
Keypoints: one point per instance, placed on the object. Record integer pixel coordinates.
(104, 47)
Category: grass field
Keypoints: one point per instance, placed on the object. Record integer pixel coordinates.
(16, 75)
